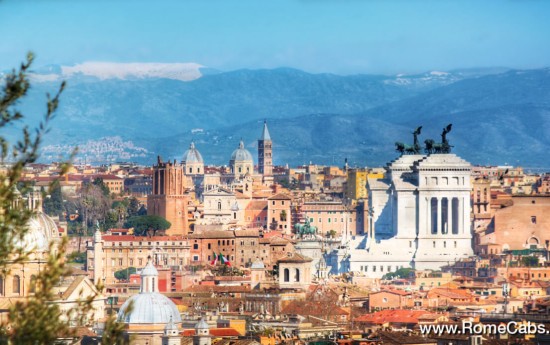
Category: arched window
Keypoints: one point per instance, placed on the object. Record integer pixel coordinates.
(297, 275)
(286, 275)
(219, 205)
(16, 284)
(32, 286)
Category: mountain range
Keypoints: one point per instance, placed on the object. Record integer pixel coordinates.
(499, 115)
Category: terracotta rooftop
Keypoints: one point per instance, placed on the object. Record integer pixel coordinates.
(257, 205)
(392, 316)
(247, 233)
(294, 258)
(280, 196)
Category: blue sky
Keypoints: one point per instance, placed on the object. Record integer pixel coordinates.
(337, 36)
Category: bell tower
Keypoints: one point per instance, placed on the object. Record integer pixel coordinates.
(265, 159)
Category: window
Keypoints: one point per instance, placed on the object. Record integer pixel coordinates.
(286, 275)
(16, 284)
(32, 287)
(1, 286)
(195, 258)
(534, 219)
(209, 245)
(196, 246)
(120, 262)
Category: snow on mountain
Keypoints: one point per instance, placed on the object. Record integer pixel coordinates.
(114, 70)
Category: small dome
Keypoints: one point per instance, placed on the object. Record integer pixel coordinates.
(241, 154)
(149, 307)
(202, 324)
(149, 270)
(192, 155)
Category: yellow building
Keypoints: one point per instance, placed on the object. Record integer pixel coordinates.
(356, 187)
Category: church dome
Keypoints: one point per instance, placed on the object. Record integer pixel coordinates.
(41, 230)
(241, 154)
(192, 155)
(149, 306)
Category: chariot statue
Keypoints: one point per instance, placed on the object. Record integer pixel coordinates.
(443, 147)
(413, 149)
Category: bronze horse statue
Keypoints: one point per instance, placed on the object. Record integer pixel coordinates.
(413, 149)
(443, 147)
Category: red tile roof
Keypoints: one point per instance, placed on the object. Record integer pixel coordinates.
(392, 316)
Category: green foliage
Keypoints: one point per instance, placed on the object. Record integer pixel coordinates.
(224, 270)
(133, 207)
(77, 257)
(53, 203)
(143, 225)
(33, 320)
(125, 273)
(529, 261)
(331, 234)
(401, 273)
(94, 205)
(99, 183)
(292, 184)
(15, 216)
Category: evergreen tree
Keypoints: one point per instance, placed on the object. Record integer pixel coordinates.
(53, 203)
(145, 225)
(35, 320)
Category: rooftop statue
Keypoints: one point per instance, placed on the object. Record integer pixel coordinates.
(413, 149)
(443, 146)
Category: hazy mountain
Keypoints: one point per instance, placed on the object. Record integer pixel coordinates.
(499, 115)
(497, 119)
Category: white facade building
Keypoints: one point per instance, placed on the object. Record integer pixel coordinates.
(419, 216)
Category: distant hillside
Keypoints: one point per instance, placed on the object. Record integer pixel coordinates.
(499, 116)
(496, 119)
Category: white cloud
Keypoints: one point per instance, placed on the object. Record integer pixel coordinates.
(113, 70)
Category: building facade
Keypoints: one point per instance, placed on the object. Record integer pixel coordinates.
(419, 216)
